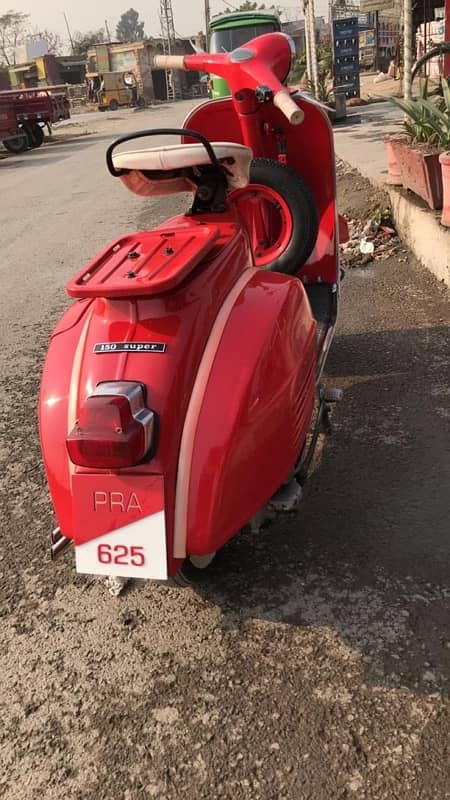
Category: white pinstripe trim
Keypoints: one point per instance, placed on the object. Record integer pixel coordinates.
(193, 413)
(74, 383)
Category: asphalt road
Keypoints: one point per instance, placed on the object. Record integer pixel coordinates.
(313, 660)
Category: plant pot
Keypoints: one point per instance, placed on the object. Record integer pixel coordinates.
(394, 177)
(340, 105)
(420, 170)
(444, 159)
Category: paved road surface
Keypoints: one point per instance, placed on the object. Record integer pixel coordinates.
(312, 662)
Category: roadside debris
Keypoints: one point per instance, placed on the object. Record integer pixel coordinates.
(372, 238)
(365, 247)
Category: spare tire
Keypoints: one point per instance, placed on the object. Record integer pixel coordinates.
(280, 214)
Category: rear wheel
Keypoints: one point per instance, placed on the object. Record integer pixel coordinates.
(193, 569)
(280, 214)
(35, 135)
(113, 105)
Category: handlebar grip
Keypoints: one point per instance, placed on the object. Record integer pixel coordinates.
(168, 62)
(290, 109)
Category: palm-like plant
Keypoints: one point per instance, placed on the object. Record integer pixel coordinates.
(427, 121)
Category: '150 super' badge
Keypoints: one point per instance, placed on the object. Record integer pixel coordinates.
(130, 347)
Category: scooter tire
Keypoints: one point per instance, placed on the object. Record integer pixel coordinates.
(299, 218)
(193, 570)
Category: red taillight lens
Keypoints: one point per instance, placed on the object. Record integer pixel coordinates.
(114, 428)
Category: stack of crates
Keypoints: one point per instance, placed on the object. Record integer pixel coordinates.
(346, 56)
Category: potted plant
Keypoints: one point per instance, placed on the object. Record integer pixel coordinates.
(414, 157)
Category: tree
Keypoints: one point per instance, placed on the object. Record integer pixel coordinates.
(129, 29)
(13, 27)
(83, 41)
(249, 6)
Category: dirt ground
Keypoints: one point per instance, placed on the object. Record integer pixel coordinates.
(357, 199)
(312, 662)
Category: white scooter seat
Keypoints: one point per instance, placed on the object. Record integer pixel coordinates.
(166, 170)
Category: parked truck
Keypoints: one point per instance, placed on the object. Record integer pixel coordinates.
(24, 113)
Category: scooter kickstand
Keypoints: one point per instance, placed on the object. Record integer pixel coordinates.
(331, 394)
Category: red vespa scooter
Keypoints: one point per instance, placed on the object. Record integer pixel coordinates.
(182, 389)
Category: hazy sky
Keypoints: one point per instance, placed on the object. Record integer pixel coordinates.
(89, 14)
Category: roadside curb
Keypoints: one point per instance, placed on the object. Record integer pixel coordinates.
(422, 233)
(417, 227)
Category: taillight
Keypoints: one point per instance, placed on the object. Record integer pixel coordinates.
(114, 428)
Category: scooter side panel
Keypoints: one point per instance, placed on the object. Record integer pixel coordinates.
(181, 319)
(256, 410)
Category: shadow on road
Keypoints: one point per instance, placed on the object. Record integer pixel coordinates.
(368, 554)
(51, 152)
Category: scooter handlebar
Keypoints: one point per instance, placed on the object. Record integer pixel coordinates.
(223, 62)
(169, 62)
(288, 107)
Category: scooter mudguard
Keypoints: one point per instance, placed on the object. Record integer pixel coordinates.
(251, 421)
(227, 358)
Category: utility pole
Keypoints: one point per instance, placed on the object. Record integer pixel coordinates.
(307, 41)
(168, 37)
(407, 48)
(310, 42)
(167, 26)
(447, 37)
(377, 38)
(108, 35)
(312, 29)
(68, 31)
(207, 20)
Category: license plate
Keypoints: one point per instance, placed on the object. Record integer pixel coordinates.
(120, 525)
